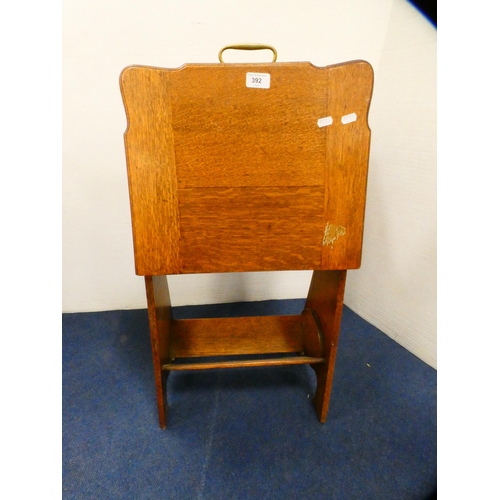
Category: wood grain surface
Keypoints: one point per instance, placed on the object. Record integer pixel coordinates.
(326, 298)
(237, 336)
(160, 326)
(228, 178)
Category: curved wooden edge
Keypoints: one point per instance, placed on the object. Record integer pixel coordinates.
(246, 65)
(313, 334)
(151, 171)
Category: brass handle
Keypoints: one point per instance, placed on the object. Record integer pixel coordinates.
(249, 47)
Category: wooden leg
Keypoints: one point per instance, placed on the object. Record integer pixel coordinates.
(326, 298)
(160, 320)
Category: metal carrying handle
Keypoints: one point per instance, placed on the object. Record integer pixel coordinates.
(249, 47)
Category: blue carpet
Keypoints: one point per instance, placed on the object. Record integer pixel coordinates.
(247, 433)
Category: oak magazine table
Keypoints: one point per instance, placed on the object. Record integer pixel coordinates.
(241, 167)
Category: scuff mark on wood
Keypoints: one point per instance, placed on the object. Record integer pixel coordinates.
(332, 233)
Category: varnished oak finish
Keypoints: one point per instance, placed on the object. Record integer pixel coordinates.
(237, 336)
(160, 325)
(325, 298)
(226, 178)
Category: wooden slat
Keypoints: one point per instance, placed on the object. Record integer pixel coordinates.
(296, 360)
(235, 336)
(160, 323)
(349, 91)
(297, 203)
(227, 245)
(151, 171)
(250, 229)
(229, 135)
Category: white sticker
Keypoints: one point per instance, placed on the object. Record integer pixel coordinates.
(258, 80)
(324, 122)
(349, 118)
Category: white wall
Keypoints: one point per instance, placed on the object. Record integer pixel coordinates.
(395, 288)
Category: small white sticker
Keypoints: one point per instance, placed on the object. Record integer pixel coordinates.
(259, 80)
(349, 118)
(324, 122)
